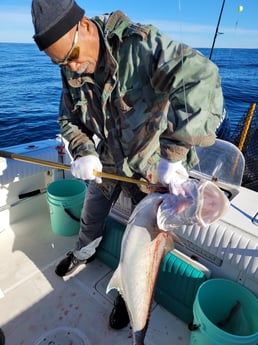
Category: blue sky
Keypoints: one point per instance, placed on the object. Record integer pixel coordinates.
(189, 21)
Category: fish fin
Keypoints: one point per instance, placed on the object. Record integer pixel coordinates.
(114, 282)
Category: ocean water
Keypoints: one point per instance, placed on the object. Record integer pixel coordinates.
(31, 89)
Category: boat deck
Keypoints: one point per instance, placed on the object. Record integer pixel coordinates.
(34, 301)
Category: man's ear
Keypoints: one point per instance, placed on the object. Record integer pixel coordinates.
(85, 23)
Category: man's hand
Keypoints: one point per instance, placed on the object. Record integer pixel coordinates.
(172, 174)
(83, 168)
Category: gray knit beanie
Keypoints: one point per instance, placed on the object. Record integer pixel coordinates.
(52, 19)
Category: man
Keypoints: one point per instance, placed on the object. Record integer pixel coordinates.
(146, 98)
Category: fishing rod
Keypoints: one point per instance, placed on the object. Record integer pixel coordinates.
(61, 166)
(217, 29)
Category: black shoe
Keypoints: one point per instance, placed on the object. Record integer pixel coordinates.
(119, 318)
(69, 264)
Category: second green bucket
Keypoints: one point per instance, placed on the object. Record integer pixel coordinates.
(65, 199)
(225, 313)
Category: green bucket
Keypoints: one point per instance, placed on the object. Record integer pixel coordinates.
(225, 312)
(65, 199)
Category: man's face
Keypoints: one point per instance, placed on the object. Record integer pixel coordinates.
(78, 49)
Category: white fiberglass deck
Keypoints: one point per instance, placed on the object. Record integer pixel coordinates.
(35, 301)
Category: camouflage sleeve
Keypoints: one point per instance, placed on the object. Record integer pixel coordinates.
(195, 94)
(80, 139)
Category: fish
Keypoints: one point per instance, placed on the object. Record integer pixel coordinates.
(149, 236)
(143, 247)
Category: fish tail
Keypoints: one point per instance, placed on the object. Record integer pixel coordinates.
(114, 282)
(138, 337)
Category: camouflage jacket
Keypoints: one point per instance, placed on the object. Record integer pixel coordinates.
(159, 97)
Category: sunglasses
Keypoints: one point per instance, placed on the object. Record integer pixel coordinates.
(73, 53)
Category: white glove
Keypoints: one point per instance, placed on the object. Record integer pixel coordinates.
(172, 174)
(83, 168)
(3, 165)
